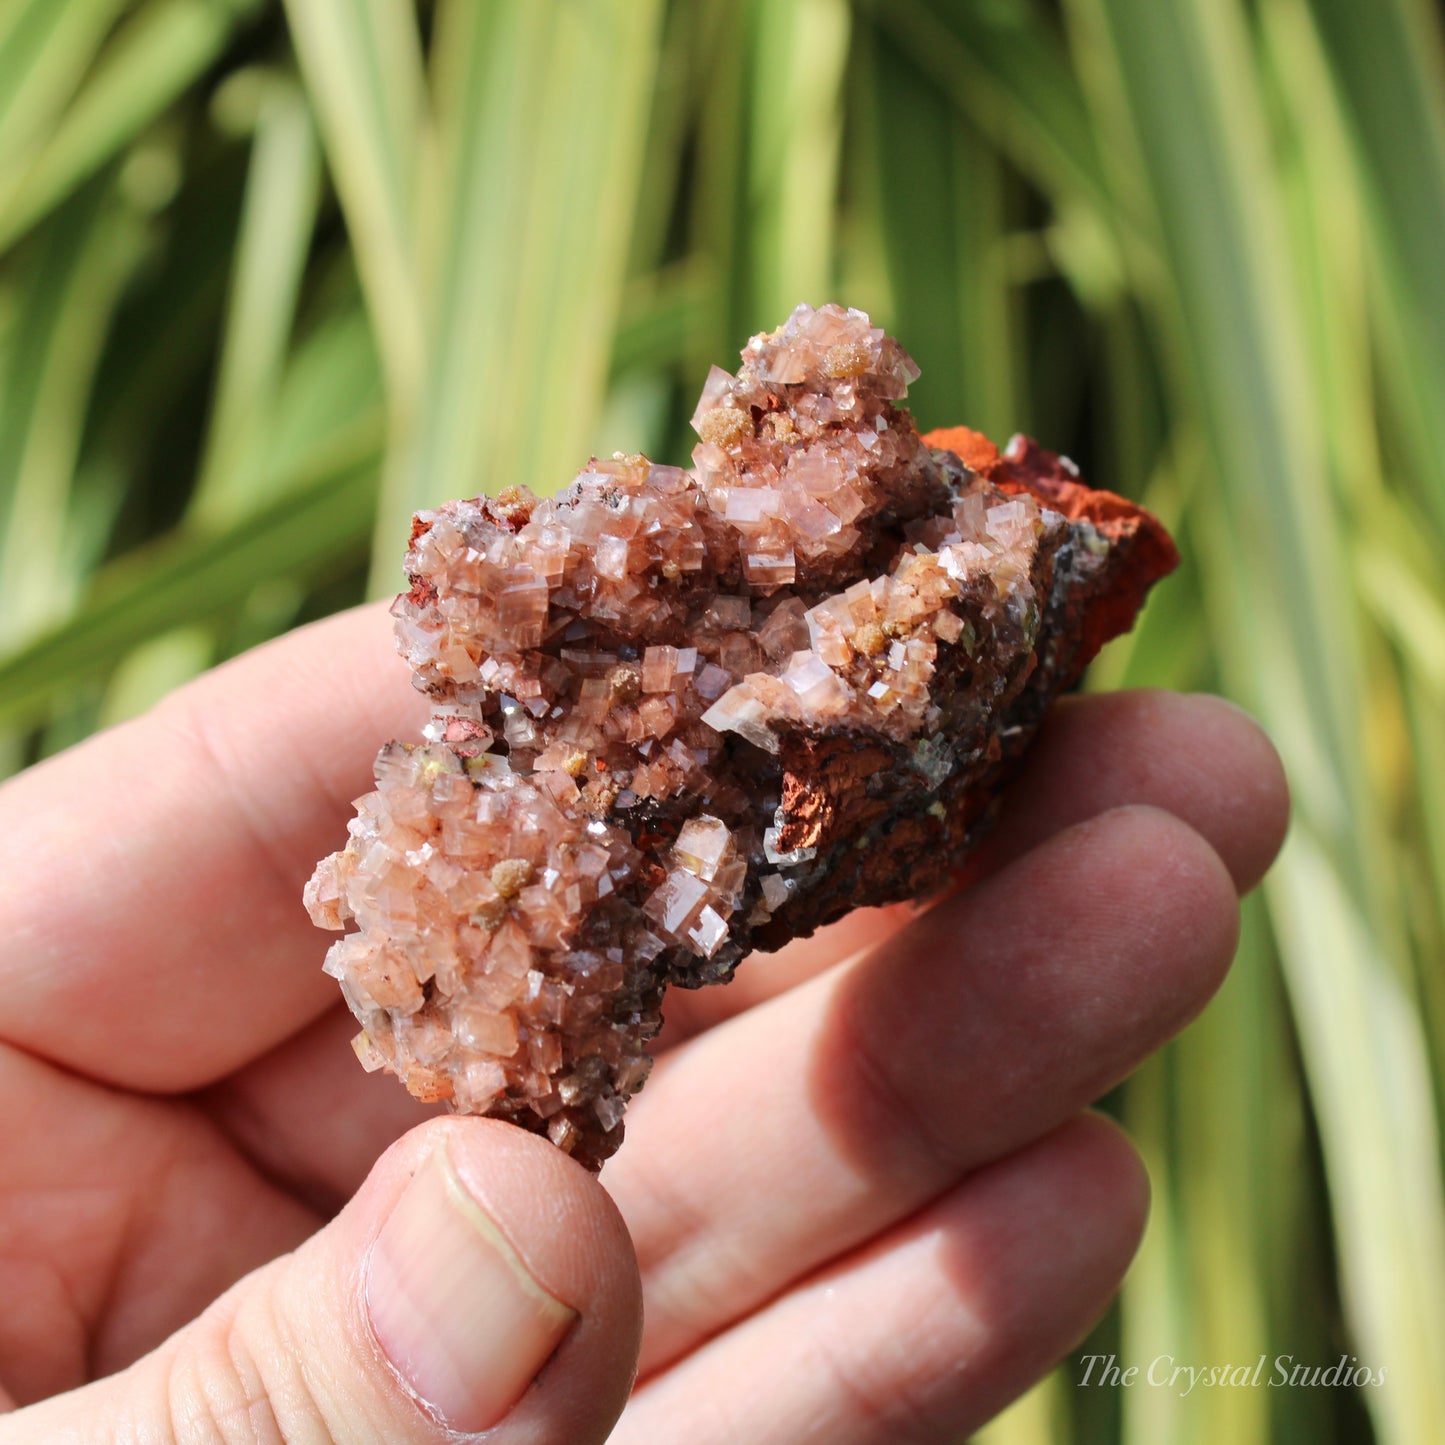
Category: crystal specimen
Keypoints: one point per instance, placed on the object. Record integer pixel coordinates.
(678, 715)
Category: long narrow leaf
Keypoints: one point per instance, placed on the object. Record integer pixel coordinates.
(1389, 57)
(272, 248)
(1289, 639)
(940, 206)
(363, 67)
(159, 52)
(1004, 68)
(53, 353)
(530, 256)
(311, 532)
(45, 48)
(795, 138)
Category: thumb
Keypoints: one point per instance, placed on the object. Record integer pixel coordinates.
(478, 1279)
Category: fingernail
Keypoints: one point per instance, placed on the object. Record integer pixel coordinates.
(452, 1305)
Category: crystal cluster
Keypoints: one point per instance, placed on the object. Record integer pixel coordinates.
(677, 715)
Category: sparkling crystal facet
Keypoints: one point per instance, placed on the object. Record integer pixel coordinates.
(680, 714)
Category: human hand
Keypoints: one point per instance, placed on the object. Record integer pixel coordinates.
(860, 1198)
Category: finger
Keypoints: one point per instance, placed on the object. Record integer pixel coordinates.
(771, 1144)
(306, 1116)
(762, 976)
(309, 1118)
(479, 1281)
(150, 879)
(1198, 757)
(120, 1218)
(923, 1335)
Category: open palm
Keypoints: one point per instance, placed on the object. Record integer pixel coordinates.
(865, 1200)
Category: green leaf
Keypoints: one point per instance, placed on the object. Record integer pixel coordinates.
(658, 317)
(939, 202)
(799, 53)
(362, 63)
(276, 232)
(45, 49)
(530, 248)
(52, 351)
(1389, 60)
(1176, 84)
(159, 52)
(315, 529)
(1002, 66)
(148, 672)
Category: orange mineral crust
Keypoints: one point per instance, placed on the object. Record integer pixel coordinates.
(678, 715)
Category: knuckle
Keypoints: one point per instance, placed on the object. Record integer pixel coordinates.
(878, 1401)
(215, 1395)
(901, 1117)
(221, 1390)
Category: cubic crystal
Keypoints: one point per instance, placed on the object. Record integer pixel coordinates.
(677, 715)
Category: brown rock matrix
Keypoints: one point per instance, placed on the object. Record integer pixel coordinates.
(678, 715)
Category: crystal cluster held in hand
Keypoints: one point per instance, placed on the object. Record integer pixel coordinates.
(678, 715)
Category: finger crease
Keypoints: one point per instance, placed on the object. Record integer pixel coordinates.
(190, 722)
(912, 1124)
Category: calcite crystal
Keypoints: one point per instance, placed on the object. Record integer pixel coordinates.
(679, 715)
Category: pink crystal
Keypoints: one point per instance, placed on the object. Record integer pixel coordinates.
(678, 714)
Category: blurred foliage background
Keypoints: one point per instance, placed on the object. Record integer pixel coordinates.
(273, 275)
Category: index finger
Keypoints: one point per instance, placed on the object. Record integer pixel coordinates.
(150, 878)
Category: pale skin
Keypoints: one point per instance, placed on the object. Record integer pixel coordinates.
(862, 1197)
